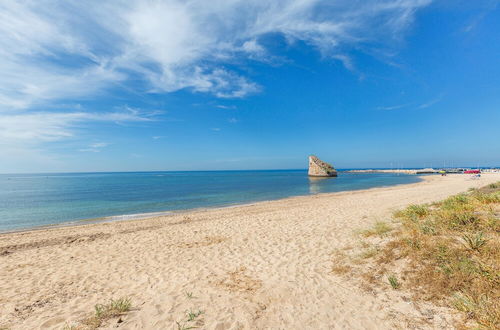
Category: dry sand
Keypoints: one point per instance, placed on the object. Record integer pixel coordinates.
(261, 266)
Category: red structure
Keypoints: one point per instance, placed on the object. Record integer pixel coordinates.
(472, 172)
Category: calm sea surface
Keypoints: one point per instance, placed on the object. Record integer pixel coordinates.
(31, 200)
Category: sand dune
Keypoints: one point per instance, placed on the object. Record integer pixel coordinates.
(261, 266)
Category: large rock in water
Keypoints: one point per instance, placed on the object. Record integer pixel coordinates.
(317, 167)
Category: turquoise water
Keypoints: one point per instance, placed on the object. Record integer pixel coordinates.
(31, 200)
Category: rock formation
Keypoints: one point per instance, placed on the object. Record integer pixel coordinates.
(318, 167)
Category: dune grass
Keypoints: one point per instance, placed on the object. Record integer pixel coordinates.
(102, 313)
(494, 185)
(453, 248)
(105, 312)
(380, 228)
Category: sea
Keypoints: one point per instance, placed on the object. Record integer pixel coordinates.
(33, 200)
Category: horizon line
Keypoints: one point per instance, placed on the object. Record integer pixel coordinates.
(254, 170)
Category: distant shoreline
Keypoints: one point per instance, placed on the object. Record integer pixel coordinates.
(398, 171)
(417, 171)
(357, 169)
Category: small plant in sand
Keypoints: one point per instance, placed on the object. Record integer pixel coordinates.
(66, 327)
(105, 312)
(189, 295)
(393, 281)
(192, 316)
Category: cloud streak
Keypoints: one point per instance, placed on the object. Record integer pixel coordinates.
(39, 127)
(95, 147)
(412, 105)
(394, 107)
(431, 102)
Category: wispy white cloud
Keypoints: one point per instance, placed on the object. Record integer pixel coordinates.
(431, 102)
(95, 147)
(226, 107)
(394, 107)
(54, 50)
(43, 58)
(413, 105)
(38, 127)
(487, 8)
(215, 129)
(233, 120)
(99, 145)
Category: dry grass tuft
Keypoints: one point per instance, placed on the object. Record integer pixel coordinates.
(207, 241)
(114, 308)
(341, 269)
(369, 253)
(239, 281)
(380, 228)
(339, 264)
(453, 249)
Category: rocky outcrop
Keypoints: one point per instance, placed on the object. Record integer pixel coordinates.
(317, 167)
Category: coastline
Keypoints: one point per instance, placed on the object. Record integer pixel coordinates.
(260, 265)
(147, 215)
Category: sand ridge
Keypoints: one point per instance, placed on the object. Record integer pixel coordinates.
(261, 266)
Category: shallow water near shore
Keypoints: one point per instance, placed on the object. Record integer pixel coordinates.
(33, 200)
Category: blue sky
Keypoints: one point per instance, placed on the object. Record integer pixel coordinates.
(207, 85)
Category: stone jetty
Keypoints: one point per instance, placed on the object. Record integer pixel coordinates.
(398, 171)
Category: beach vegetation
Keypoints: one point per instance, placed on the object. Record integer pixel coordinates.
(494, 185)
(474, 241)
(66, 327)
(380, 228)
(341, 268)
(102, 313)
(184, 326)
(369, 253)
(452, 253)
(393, 281)
(339, 264)
(189, 295)
(413, 212)
(192, 316)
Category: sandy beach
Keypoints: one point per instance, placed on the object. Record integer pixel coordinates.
(262, 266)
